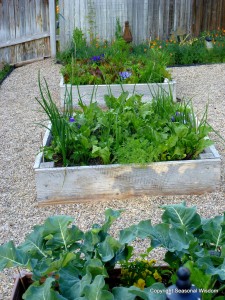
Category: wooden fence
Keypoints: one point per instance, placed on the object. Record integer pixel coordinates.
(147, 18)
(25, 29)
(207, 15)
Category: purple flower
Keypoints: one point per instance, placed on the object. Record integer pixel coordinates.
(173, 119)
(71, 119)
(125, 75)
(97, 58)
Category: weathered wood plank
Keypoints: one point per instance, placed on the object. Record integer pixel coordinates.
(119, 182)
(52, 27)
(24, 39)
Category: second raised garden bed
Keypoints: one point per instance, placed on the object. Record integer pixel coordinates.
(97, 93)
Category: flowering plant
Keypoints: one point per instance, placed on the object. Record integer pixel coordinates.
(143, 273)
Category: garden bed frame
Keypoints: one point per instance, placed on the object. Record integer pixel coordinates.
(86, 91)
(79, 184)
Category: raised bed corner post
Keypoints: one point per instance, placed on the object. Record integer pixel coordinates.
(183, 289)
(52, 26)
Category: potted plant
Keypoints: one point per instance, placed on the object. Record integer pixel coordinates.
(133, 148)
(67, 263)
(113, 68)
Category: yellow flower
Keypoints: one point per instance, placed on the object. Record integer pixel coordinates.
(157, 276)
(152, 262)
(140, 283)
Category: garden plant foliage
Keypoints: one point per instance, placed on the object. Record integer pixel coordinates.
(5, 71)
(129, 131)
(76, 264)
(104, 64)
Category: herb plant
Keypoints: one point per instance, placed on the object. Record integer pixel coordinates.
(69, 264)
(129, 131)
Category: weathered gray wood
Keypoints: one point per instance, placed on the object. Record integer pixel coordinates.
(24, 30)
(52, 27)
(86, 91)
(146, 17)
(94, 183)
(24, 39)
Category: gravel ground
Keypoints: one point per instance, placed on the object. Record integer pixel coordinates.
(20, 141)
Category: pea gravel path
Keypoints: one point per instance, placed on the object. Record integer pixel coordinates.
(20, 141)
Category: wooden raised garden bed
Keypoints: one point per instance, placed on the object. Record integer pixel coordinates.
(21, 284)
(62, 185)
(86, 91)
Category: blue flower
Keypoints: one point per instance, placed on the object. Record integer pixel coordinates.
(125, 75)
(97, 58)
(71, 119)
(173, 119)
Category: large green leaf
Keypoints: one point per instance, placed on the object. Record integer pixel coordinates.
(180, 216)
(56, 231)
(214, 231)
(34, 243)
(159, 235)
(12, 257)
(42, 292)
(173, 239)
(127, 235)
(198, 277)
(206, 264)
(71, 284)
(110, 216)
(56, 265)
(179, 240)
(91, 239)
(95, 267)
(95, 290)
(122, 293)
(108, 248)
(142, 230)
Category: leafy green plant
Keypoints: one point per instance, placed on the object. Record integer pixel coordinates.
(118, 31)
(143, 273)
(68, 263)
(4, 71)
(129, 131)
(188, 240)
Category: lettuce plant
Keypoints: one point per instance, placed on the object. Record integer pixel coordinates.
(68, 263)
